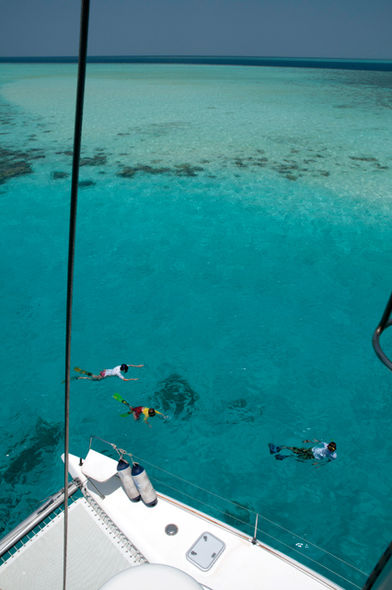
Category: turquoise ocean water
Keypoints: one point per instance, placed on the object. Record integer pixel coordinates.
(233, 236)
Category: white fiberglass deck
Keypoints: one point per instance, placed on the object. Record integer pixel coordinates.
(240, 565)
(108, 534)
(94, 555)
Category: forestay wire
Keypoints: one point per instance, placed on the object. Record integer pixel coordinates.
(85, 8)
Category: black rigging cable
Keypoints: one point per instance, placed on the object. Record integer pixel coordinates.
(85, 8)
(379, 570)
(385, 322)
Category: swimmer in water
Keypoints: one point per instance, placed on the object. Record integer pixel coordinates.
(115, 372)
(321, 451)
(137, 411)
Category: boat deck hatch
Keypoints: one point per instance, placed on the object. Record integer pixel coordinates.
(204, 553)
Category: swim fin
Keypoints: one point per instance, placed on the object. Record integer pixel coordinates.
(118, 397)
(274, 448)
(281, 457)
(82, 371)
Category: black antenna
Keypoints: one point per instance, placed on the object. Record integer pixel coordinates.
(385, 322)
(85, 8)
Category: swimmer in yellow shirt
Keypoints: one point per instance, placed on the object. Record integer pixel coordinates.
(147, 412)
(138, 410)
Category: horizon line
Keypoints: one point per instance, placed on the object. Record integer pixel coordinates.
(195, 56)
(337, 63)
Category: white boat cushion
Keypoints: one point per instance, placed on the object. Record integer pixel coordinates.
(99, 467)
(152, 576)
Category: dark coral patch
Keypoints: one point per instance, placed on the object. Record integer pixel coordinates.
(176, 396)
(238, 410)
(57, 175)
(85, 183)
(240, 163)
(187, 170)
(251, 161)
(178, 170)
(363, 158)
(285, 168)
(27, 455)
(149, 169)
(12, 169)
(16, 163)
(97, 160)
(261, 162)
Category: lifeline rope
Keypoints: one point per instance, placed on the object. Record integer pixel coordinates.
(71, 253)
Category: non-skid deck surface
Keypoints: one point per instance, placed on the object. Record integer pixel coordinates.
(94, 555)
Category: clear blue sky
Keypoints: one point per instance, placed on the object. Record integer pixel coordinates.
(284, 28)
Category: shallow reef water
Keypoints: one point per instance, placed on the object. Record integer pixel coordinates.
(233, 237)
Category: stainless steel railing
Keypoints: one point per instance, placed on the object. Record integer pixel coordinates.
(27, 525)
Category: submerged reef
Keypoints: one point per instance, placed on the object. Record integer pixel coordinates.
(291, 167)
(370, 160)
(308, 162)
(176, 170)
(86, 183)
(175, 396)
(97, 160)
(17, 162)
(293, 164)
(238, 410)
(56, 175)
(27, 454)
(24, 466)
